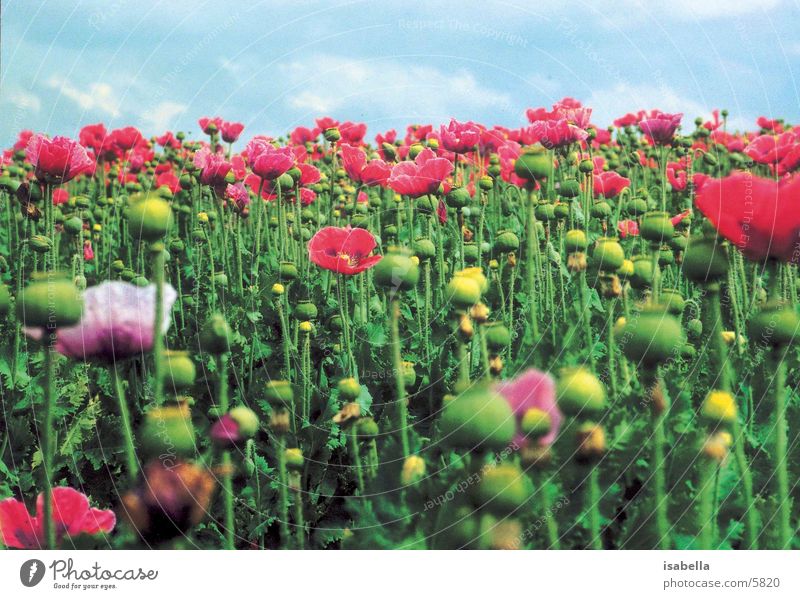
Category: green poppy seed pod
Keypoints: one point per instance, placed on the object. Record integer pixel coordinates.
(349, 389)
(432, 143)
(666, 256)
(534, 164)
(673, 301)
(458, 197)
(168, 430)
(294, 459)
(506, 241)
(8, 184)
(570, 188)
(177, 246)
(335, 323)
(608, 254)
(642, 272)
(216, 335)
(463, 291)
(494, 170)
(477, 420)
(656, 227)
(545, 212)
(561, 210)
(679, 242)
(40, 244)
(185, 182)
(288, 271)
(279, 394)
(390, 231)
(140, 281)
(367, 427)
(709, 159)
(83, 202)
(497, 336)
(776, 324)
(127, 275)
(305, 310)
(414, 150)
(576, 241)
(285, 182)
(705, 260)
(180, 370)
(332, 134)
(486, 183)
(424, 249)
(503, 489)
(653, 337)
(247, 420)
(601, 210)
(220, 279)
(535, 423)
(117, 266)
(389, 151)
(5, 300)
(396, 271)
(149, 218)
(471, 253)
(694, 328)
(50, 302)
(73, 226)
(636, 206)
(580, 392)
(426, 204)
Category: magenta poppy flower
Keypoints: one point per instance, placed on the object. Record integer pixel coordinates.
(460, 138)
(677, 178)
(307, 196)
(302, 135)
(117, 322)
(343, 250)
(93, 137)
(88, 250)
(226, 431)
(127, 138)
(577, 115)
(231, 131)
(309, 174)
(57, 160)
(532, 389)
(71, 514)
(353, 133)
(238, 195)
(421, 177)
(213, 167)
(609, 184)
(210, 125)
(659, 127)
(556, 133)
(354, 161)
(326, 122)
(267, 161)
(168, 140)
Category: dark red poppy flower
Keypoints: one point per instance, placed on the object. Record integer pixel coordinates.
(760, 216)
(343, 250)
(609, 184)
(659, 127)
(71, 515)
(57, 160)
(231, 131)
(421, 177)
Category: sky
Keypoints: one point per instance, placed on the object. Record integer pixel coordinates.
(162, 64)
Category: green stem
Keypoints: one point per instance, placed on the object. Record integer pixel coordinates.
(47, 439)
(127, 430)
(227, 466)
(397, 364)
(593, 505)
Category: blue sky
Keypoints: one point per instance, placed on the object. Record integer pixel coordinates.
(161, 64)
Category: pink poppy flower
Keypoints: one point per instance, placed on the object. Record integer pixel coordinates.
(532, 389)
(659, 127)
(353, 133)
(57, 160)
(627, 228)
(307, 196)
(300, 136)
(421, 177)
(213, 167)
(71, 514)
(117, 322)
(231, 131)
(93, 137)
(210, 125)
(88, 251)
(326, 122)
(238, 195)
(557, 133)
(609, 184)
(460, 137)
(309, 174)
(267, 161)
(677, 179)
(354, 161)
(343, 250)
(60, 196)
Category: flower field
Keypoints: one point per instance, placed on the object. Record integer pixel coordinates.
(549, 335)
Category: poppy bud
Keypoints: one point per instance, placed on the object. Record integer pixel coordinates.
(305, 310)
(601, 210)
(576, 262)
(367, 427)
(776, 324)
(220, 279)
(534, 164)
(586, 166)
(719, 407)
(503, 489)
(127, 275)
(497, 337)
(652, 337)
(288, 270)
(396, 271)
(389, 151)
(278, 289)
(576, 241)
(485, 183)
(608, 254)
(332, 134)
(349, 389)
(705, 260)
(478, 419)
(591, 443)
(495, 365)
(349, 414)
(579, 391)
(294, 458)
(168, 429)
(458, 197)
(280, 421)
(479, 313)
(149, 218)
(465, 328)
(656, 227)
(561, 210)
(506, 241)
(40, 244)
(672, 300)
(636, 206)
(694, 328)
(180, 369)
(414, 150)
(279, 394)
(413, 470)
(73, 225)
(50, 302)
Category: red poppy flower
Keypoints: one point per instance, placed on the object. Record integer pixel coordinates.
(760, 216)
(302, 135)
(210, 125)
(354, 161)
(231, 131)
(609, 184)
(170, 180)
(213, 167)
(659, 127)
(168, 140)
(631, 227)
(71, 514)
(460, 137)
(93, 137)
(556, 133)
(60, 196)
(326, 122)
(353, 132)
(343, 250)
(127, 138)
(677, 178)
(57, 160)
(421, 177)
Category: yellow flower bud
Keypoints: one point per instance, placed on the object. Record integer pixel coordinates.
(278, 289)
(413, 470)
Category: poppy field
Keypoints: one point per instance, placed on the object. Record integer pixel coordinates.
(549, 335)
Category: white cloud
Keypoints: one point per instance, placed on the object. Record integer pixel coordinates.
(162, 116)
(98, 96)
(23, 100)
(325, 83)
